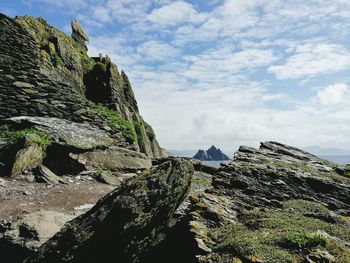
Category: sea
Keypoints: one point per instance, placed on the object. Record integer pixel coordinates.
(338, 159)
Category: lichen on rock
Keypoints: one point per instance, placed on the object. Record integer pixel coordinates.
(126, 223)
(274, 204)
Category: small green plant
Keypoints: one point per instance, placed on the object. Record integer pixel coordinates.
(138, 129)
(115, 120)
(205, 182)
(56, 59)
(303, 241)
(100, 66)
(98, 171)
(151, 135)
(42, 138)
(295, 165)
(347, 171)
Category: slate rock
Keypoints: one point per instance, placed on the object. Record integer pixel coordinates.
(115, 158)
(126, 223)
(67, 133)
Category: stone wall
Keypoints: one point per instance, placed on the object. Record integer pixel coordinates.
(44, 72)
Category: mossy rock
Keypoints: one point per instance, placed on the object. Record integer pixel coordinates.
(27, 159)
(283, 235)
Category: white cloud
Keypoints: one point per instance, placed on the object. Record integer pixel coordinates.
(219, 66)
(157, 51)
(102, 14)
(228, 117)
(178, 12)
(310, 60)
(334, 94)
(128, 11)
(65, 5)
(200, 76)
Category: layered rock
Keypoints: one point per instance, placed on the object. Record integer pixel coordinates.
(212, 154)
(45, 73)
(274, 204)
(126, 223)
(28, 232)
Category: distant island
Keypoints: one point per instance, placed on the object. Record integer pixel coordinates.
(212, 154)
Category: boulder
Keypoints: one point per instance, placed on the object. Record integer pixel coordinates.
(113, 179)
(66, 133)
(115, 158)
(28, 232)
(29, 157)
(126, 223)
(45, 175)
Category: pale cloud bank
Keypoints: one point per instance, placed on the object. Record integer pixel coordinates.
(334, 94)
(310, 60)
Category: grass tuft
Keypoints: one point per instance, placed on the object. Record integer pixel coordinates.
(42, 138)
(115, 120)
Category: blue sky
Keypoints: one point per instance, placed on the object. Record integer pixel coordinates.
(224, 72)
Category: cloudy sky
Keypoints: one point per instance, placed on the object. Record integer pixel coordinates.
(224, 72)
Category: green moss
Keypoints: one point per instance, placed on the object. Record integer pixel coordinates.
(347, 171)
(282, 235)
(264, 159)
(304, 206)
(299, 240)
(43, 139)
(295, 165)
(201, 181)
(151, 135)
(98, 171)
(115, 120)
(138, 129)
(100, 66)
(56, 59)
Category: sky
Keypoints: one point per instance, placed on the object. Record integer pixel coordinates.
(223, 72)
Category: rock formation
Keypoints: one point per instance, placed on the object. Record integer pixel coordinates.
(45, 73)
(275, 204)
(78, 33)
(71, 122)
(212, 154)
(126, 223)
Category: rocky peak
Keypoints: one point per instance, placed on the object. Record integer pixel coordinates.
(212, 154)
(78, 33)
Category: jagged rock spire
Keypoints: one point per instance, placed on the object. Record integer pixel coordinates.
(78, 33)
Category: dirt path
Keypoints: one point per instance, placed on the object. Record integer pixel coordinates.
(18, 197)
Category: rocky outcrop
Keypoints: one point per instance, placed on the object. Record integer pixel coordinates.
(63, 132)
(212, 154)
(114, 158)
(45, 73)
(126, 223)
(78, 33)
(273, 204)
(28, 232)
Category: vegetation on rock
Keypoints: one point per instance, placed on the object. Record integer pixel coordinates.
(151, 135)
(42, 138)
(57, 61)
(115, 120)
(285, 235)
